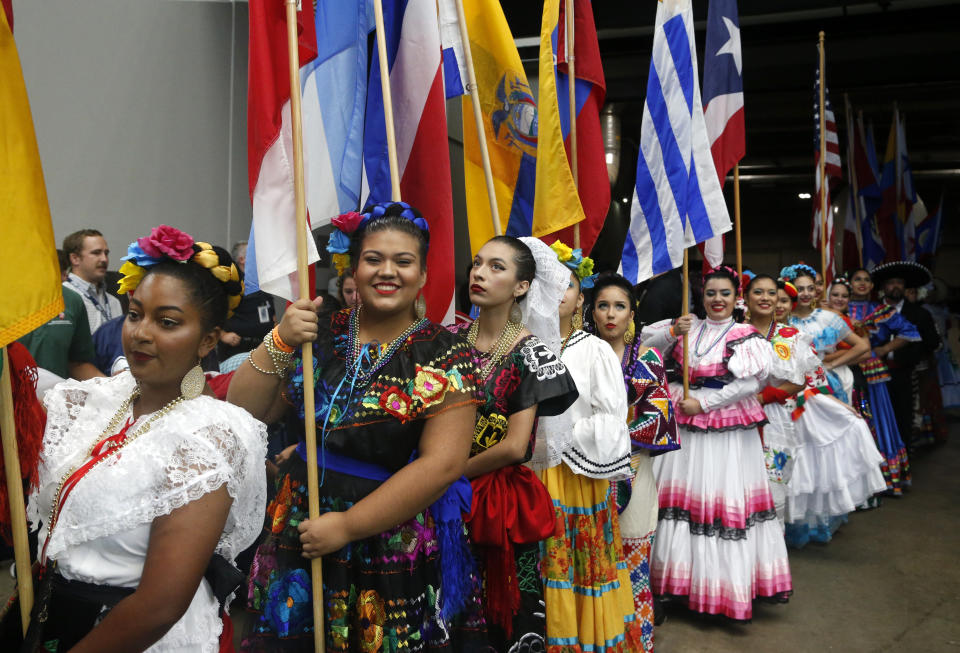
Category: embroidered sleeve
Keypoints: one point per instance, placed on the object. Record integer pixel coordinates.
(654, 423)
(536, 377)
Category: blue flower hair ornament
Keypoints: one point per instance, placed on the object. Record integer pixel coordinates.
(580, 265)
(791, 272)
(347, 224)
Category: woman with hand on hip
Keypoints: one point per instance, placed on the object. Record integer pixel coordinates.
(522, 380)
(395, 405)
(652, 428)
(718, 544)
(589, 602)
(148, 489)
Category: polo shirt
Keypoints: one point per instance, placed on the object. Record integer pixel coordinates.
(64, 339)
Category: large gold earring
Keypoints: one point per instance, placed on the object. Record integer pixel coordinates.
(576, 321)
(192, 383)
(420, 306)
(516, 315)
(629, 334)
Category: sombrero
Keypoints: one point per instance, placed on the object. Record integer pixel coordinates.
(913, 274)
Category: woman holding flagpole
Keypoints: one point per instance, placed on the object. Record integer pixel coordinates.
(523, 381)
(653, 430)
(395, 402)
(718, 544)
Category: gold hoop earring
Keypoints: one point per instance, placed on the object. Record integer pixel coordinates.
(576, 321)
(630, 333)
(420, 307)
(516, 314)
(192, 383)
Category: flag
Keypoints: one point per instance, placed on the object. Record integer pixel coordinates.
(893, 211)
(454, 59)
(910, 208)
(677, 200)
(831, 170)
(333, 121)
(272, 248)
(723, 100)
(928, 234)
(851, 236)
(29, 271)
(509, 127)
(590, 90)
(556, 204)
(918, 214)
(414, 56)
(864, 170)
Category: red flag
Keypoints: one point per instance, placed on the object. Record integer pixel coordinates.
(593, 184)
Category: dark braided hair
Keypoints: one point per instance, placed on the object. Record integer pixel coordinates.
(393, 216)
(207, 293)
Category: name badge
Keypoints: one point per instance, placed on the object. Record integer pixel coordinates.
(264, 312)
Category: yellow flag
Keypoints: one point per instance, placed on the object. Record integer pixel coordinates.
(556, 202)
(29, 271)
(509, 127)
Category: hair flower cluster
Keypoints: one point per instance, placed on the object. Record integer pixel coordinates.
(791, 272)
(167, 241)
(346, 225)
(580, 265)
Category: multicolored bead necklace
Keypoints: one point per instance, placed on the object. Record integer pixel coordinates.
(509, 334)
(355, 349)
(696, 345)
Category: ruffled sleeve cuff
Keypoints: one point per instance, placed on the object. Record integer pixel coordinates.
(750, 358)
(658, 335)
(600, 447)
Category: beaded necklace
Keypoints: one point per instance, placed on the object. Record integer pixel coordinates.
(773, 326)
(509, 334)
(567, 339)
(696, 345)
(383, 356)
(101, 449)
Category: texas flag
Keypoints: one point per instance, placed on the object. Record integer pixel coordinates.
(420, 118)
(723, 99)
(271, 251)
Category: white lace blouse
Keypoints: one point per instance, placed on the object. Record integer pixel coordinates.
(104, 527)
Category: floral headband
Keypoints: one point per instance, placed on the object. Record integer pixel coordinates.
(166, 243)
(790, 289)
(791, 272)
(346, 224)
(842, 280)
(580, 265)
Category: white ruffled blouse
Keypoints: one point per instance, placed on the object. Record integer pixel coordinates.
(600, 446)
(103, 530)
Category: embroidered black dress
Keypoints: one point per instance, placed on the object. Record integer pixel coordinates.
(386, 592)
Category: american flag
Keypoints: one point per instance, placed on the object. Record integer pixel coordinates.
(832, 169)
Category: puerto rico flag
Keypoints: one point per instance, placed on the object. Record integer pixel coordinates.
(723, 99)
(420, 118)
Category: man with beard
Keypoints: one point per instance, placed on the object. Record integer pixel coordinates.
(893, 278)
(89, 257)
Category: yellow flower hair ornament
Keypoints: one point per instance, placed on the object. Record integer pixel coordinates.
(580, 265)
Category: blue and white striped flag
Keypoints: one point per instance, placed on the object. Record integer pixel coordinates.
(677, 200)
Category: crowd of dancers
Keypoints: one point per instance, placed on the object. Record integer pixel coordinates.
(534, 480)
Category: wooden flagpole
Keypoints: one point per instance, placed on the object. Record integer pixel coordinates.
(18, 515)
(736, 219)
(852, 171)
(824, 191)
(387, 102)
(303, 278)
(683, 311)
(478, 120)
(569, 33)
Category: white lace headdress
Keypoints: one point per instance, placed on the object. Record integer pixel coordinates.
(540, 315)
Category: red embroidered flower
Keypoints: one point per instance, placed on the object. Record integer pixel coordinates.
(167, 241)
(347, 222)
(788, 332)
(429, 385)
(396, 402)
(506, 382)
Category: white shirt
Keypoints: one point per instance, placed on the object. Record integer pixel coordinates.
(101, 306)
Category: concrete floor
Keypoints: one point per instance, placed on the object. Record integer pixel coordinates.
(889, 581)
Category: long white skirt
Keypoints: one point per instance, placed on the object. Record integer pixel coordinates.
(718, 544)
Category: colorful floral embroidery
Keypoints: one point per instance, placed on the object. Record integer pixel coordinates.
(371, 617)
(782, 350)
(396, 402)
(430, 385)
(787, 332)
(288, 607)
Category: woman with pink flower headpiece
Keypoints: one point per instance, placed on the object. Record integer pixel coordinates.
(148, 489)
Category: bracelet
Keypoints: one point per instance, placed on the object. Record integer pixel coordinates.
(278, 341)
(260, 369)
(672, 334)
(281, 359)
